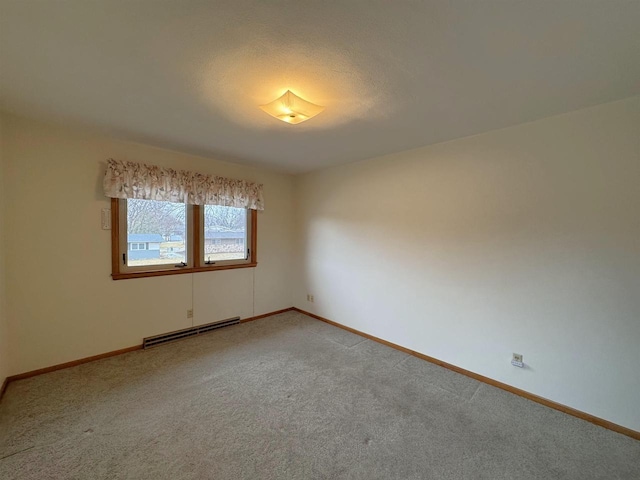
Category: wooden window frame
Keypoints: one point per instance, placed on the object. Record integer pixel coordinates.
(196, 248)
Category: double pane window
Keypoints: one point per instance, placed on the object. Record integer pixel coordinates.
(156, 237)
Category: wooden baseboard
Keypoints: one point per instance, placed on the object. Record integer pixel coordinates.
(522, 393)
(264, 315)
(73, 363)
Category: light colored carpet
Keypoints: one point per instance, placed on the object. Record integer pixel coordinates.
(289, 397)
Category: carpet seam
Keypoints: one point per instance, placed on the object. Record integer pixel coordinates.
(19, 451)
(476, 391)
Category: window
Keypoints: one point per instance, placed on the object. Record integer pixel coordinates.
(225, 234)
(151, 238)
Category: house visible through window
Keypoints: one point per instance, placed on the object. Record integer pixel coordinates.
(157, 237)
(225, 234)
(155, 232)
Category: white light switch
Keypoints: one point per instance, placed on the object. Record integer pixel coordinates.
(106, 219)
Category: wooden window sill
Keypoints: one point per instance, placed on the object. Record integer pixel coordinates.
(160, 273)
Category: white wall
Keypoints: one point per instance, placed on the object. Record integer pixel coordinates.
(62, 303)
(525, 239)
(4, 323)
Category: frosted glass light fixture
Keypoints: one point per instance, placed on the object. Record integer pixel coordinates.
(291, 108)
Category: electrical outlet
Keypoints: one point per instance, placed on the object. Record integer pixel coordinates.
(309, 298)
(312, 300)
(516, 361)
(190, 313)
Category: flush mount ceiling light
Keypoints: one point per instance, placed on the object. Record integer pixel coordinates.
(290, 108)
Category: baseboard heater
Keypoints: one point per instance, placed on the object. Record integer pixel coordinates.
(187, 332)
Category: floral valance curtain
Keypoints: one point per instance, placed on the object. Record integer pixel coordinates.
(149, 182)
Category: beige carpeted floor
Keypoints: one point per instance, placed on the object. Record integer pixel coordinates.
(289, 397)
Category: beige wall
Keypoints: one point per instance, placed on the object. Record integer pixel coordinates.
(62, 304)
(525, 239)
(4, 323)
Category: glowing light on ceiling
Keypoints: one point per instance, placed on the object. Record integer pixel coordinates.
(290, 108)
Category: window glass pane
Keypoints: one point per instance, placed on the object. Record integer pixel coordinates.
(156, 233)
(225, 233)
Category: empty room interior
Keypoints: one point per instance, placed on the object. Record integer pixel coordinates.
(320, 240)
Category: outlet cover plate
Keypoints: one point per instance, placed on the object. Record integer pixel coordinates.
(517, 360)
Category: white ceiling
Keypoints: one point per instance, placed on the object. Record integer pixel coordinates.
(189, 75)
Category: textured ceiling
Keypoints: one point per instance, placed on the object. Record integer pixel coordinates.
(190, 75)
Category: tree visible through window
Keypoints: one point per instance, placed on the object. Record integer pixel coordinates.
(164, 238)
(156, 232)
(225, 234)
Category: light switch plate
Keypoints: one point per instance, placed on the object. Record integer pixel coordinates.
(106, 219)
